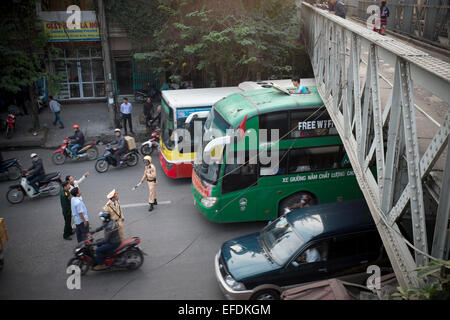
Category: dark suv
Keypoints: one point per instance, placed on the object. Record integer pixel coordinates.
(315, 243)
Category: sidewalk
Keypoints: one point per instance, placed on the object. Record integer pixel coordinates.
(92, 118)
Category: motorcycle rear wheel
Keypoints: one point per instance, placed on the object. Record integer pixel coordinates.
(146, 149)
(101, 166)
(55, 188)
(134, 259)
(15, 195)
(84, 267)
(92, 153)
(14, 172)
(58, 158)
(132, 160)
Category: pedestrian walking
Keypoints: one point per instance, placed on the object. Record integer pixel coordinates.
(80, 214)
(55, 106)
(125, 110)
(76, 183)
(114, 209)
(66, 210)
(150, 176)
(384, 14)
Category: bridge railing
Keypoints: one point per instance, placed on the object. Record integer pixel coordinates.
(385, 135)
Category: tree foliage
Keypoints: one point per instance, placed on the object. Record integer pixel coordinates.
(23, 49)
(229, 41)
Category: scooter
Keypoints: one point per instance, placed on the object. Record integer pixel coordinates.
(127, 256)
(10, 125)
(10, 169)
(129, 159)
(152, 143)
(49, 185)
(88, 151)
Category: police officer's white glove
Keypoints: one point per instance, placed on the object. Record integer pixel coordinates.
(136, 186)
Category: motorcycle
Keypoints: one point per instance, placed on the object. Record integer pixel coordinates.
(127, 256)
(49, 185)
(152, 143)
(141, 95)
(10, 125)
(88, 151)
(129, 159)
(10, 169)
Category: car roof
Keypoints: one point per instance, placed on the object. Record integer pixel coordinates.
(204, 97)
(331, 219)
(259, 101)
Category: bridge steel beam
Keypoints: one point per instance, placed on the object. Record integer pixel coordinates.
(352, 98)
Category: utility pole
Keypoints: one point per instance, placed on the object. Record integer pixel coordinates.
(109, 83)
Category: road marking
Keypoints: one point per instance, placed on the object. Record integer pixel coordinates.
(133, 205)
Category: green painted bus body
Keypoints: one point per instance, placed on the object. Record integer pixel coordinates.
(261, 201)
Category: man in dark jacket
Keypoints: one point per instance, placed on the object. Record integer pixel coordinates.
(36, 172)
(337, 8)
(77, 140)
(121, 148)
(148, 112)
(64, 197)
(109, 243)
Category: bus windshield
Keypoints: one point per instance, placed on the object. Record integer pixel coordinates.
(280, 240)
(215, 125)
(167, 127)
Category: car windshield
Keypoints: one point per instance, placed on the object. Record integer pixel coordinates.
(280, 240)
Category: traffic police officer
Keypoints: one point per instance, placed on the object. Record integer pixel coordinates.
(114, 209)
(150, 176)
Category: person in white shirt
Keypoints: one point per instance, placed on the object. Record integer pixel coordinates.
(125, 110)
(76, 183)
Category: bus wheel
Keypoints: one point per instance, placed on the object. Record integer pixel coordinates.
(296, 201)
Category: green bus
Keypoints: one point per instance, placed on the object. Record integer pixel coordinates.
(312, 166)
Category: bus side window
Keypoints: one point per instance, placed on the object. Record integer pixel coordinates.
(274, 120)
(277, 168)
(299, 160)
(238, 176)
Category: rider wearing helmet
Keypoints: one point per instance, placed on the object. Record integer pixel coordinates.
(109, 243)
(36, 172)
(77, 140)
(150, 176)
(121, 148)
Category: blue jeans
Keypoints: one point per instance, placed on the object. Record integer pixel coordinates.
(104, 249)
(34, 182)
(74, 149)
(58, 119)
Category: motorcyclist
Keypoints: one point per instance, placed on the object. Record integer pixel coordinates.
(109, 243)
(121, 148)
(77, 140)
(36, 172)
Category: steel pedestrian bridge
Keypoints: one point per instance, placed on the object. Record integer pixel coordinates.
(345, 58)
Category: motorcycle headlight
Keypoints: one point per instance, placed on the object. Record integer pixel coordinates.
(237, 286)
(209, 202)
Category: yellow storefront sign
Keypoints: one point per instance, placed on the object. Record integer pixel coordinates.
(58, 32)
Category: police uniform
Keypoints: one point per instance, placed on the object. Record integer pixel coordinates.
(150, 176)
(115, 211)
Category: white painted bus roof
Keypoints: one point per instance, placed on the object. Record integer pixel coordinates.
(204, 97)
(285, 83)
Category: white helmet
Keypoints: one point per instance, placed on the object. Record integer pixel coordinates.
(33, 155)
(117, 130)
